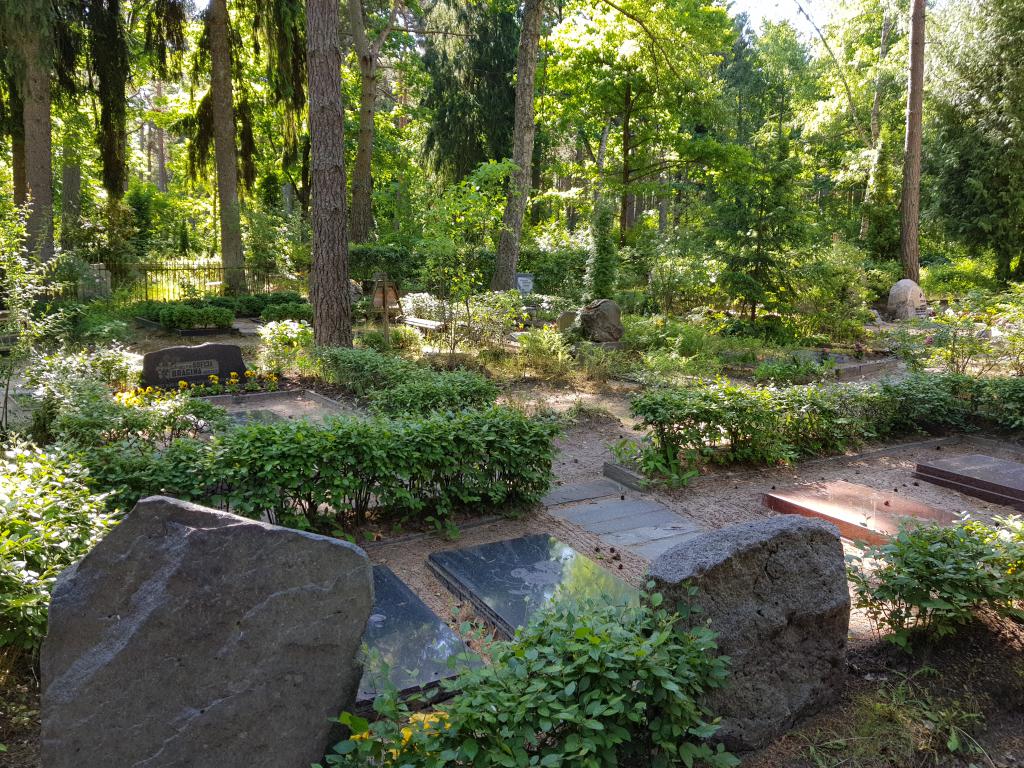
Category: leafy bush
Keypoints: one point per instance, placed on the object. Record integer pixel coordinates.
(326, 477)
(726, 423)
(286, 345)
(402, 339)
(932, 579)
(584, 684)
(298, 310)
(794, 370)
(362, 370)
(545, 351)
(181, 316)
(48, 519)
(430, 391)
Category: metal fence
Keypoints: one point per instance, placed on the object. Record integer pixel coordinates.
(173, 280)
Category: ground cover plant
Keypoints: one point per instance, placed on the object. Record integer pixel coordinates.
(583, 684)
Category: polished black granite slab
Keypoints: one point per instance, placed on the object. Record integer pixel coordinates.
(508, 581)
(408, 639)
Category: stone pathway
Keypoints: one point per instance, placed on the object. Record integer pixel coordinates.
(620, 517)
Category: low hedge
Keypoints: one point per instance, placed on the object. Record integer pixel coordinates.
(293, 310)
(726, 423)
(398, 387)
(322, 477)
(183, 317)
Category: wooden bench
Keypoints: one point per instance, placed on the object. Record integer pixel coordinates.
(421, 324)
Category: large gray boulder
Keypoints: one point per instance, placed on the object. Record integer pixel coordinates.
(905, 299)
(601, 321)
(775, 592)
(191, 637)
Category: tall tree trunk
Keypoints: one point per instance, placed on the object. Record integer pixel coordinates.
(910, 205)
(522, 148)
(38, 148)
(110, 58)
(223, 109)
(626, 207)
(328, 277)
(368, 55)
(71, 194)
(876, 128)
(161, 144)
(17, 124)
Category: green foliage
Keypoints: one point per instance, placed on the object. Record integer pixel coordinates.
(726, 423)
(396, 261)
(584, 684)
(361, 371)
(434, 391)
(401, 339)
(286, 345)
(183, 317)
(326, 477)
(545, 351)
(602, 263)
(49, 518)
(930, 579)
(291, 311)
(794, 370)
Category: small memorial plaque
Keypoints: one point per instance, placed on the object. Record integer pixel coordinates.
(524, 282)
(166, 367)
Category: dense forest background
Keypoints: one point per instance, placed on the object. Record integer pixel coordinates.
(730, 166)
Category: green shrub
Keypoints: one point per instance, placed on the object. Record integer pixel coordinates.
(726, 423)
(326, 477)
(584, 684)
(402, 339)
(48, 519)
(429, 391)
(545, 351)
(361, 370)
(932, 579)
(795, 370)
(183, 317)
(285, 345)
(290, 311)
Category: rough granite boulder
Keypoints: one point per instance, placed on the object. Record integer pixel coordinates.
(775, 592)
(905, 299)
(601, 321)
(193, 638)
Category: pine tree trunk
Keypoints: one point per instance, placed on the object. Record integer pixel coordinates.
(231, 254)
(71, 196)
(876, 129)
(910, 205)
(522, 148)
(17, 123)
(362, 172)
(328, 277)
(38, 148)
(110, 57)
(626, 199)
(161, 145)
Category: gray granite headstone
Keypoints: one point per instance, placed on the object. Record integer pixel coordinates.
(192, 637)
(195, 364)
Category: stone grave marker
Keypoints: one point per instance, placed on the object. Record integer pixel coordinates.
(190, 637)
(194, 364)
(859, 512)
(407, 638)
(775, 593)
(984, 477)
(507, 581)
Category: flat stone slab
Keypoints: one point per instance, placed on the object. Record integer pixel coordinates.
(655, 548)
(859, 512)
(193, 638)
(591, 514)
(984, 477)
(193, 364)
(508, 581)
(637, 536)
(642, 521)
(408, 639)
(570, 494)
(286, 405)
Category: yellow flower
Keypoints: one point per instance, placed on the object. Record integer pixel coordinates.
(250, 374)
(214, 378)
(182, 384)
(234, 374)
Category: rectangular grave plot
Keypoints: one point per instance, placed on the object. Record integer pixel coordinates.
(408, 638)
(508, 581)
(984, 477)
(859, 512)
(284, 405)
